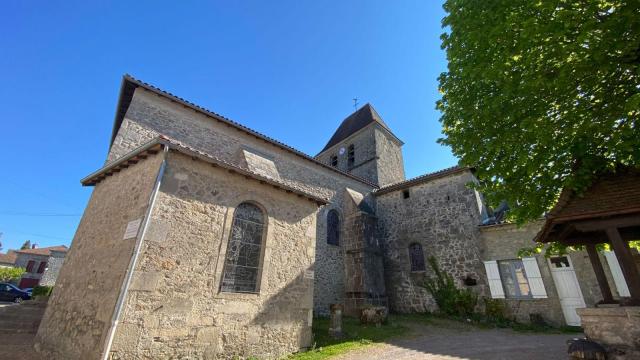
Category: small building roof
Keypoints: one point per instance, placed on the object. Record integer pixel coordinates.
(8, 258)
(46, 251)
(613, 195)
(421, 179)
(155, 145)
(353, 123)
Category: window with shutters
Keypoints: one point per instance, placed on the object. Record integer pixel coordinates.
(351, 156)
(514, 279)
(416, 256)
(43, 265)
(333, 228)
(30, 266)
(244, 251)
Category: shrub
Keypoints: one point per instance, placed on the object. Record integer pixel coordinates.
(495, 311)
(42, 291)
(450, 299)
(10, 273)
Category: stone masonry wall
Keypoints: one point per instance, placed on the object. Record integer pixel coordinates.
(378, 157)
(150, 115)
(502, 242)
(363, 259)
(329, 267)
(174, 308)
(53, 268)
(365, 156)
(81, 307)
(442, 215)
(390, 162)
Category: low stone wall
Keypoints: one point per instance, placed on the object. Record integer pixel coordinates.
(616, 328)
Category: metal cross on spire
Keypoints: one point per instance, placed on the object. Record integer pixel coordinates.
(355, 103)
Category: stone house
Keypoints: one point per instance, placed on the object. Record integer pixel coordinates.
(8, 259)
(206, 239)
(554, 288)
(41, 265)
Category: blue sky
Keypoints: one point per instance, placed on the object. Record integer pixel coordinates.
(288, 69)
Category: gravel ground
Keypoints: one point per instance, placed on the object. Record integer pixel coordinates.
(459, 342)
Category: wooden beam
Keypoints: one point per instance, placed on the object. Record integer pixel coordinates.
(568, 229)
(605, 224)
(627, 263)
(607, 298)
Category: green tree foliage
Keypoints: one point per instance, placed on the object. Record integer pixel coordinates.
(10, 273)
(541, 95)
(26, 245)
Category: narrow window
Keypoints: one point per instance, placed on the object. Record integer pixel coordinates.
(242, 263)
(30, 265)
(351, 156)
(334, 160)
(43, 265)
(514, 279)
(416, 257)
(333, 228)
(405, 194)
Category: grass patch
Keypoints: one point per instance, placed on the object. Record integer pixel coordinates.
(356, 336)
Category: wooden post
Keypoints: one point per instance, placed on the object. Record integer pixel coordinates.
(607, 298)
(629, 268)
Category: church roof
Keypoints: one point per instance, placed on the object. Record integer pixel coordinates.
(354, 122)
(421, 179)
(153, 147)
(611, 194)
(129, 85)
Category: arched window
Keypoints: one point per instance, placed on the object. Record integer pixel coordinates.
(242, 263)
(416, 257)
(333, 228)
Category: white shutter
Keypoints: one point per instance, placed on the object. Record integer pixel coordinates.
(493, 276)
(535, 279)
(616, 271)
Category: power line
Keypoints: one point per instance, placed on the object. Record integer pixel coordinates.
(11, 213)
(41, 236)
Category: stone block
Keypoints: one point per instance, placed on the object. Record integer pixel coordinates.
(145, 281)
(126, 338)
(207, 335)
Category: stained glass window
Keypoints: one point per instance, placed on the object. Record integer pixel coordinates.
(416, 257)
(333, 228)
(242, 263)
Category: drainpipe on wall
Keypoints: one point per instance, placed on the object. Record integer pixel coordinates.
(134, 259)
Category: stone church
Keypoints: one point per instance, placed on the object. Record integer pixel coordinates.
(206, 239)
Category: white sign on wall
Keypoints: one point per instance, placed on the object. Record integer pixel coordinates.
(132, 229)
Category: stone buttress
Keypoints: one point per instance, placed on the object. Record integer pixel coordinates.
(363, 260)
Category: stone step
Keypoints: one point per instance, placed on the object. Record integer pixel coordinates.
(23, 318)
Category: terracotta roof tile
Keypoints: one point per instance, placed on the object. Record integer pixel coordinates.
(44, 251)
(421, 179)
(130, 159)
(9, 257)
